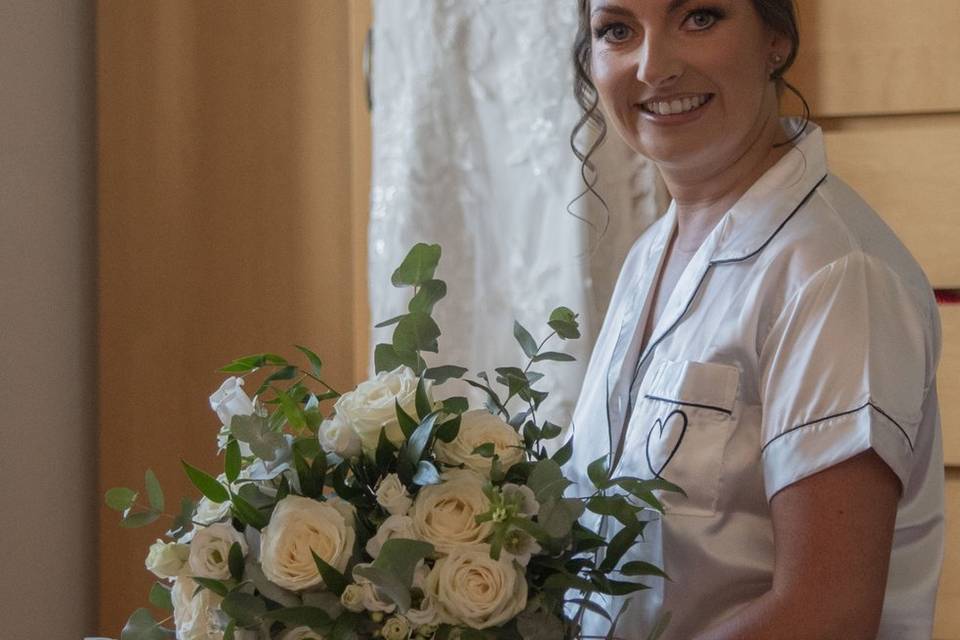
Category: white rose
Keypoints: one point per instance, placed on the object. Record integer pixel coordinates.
(210, 550)
(337, 436)
(371, 408)
(167, 559)
(393, 496)
(300, 633)
(473, 589)
(445, 514)
(231, 400)
(392, 527)
(479, 427)
(396, 628)
(297, 526)
(194, 612)
(208, 511)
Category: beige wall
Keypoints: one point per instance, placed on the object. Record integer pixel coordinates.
(47, 257)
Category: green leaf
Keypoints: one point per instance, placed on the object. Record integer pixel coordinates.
(139, 519)
(183, 522)
(547, 481)
(316, 364)
(232, 462)
(249, 363)
(160, 596)
(120, 498)
(229, 631)
(418, 266)
(444, 373)
(307, 486)
(430, 293)
(485, 450)
(549, 431)
(216, 586)
(407, 424)
(154, 492)
(457, 404)
(413, 448)
(422, 401)
(617, 506)
(386, 358)
(526, 341)
(291, 411)
(235, 561)
(564, 322)
(427, 474)
(416, 332)
(392, 571)
(313, 617)
(564, 453)
(288, 372)
(640, 568)
(245, 608)
(142, 626)
(619, 545)
(247, 513)
(392, 321)
(333, 579)
(491, 394)
(599, 472)
(554, 356)
(208, 485)
(385, 452)
(449, 430)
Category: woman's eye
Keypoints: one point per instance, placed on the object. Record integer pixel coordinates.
(701, 19)
(617, 32)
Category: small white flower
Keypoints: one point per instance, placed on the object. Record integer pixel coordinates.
(521, 545)
(231, 400)
(210, 550)
(523, 497)
(337, 436)
(167, 559)
(393, 496)
(392, 527)
(370, 596)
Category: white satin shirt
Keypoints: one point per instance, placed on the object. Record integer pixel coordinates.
(801, 334)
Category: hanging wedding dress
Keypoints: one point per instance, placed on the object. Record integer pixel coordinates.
(472, 113)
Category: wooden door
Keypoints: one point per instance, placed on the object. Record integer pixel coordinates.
(233, 172)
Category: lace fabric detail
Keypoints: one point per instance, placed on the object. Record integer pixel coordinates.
(473, 106)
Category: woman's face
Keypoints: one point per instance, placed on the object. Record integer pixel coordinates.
(685, 82)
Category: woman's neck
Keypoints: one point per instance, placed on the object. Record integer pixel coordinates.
(703, 197)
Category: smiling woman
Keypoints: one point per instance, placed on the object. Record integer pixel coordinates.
(742, 352)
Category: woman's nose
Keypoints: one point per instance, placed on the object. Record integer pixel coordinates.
(657, 63)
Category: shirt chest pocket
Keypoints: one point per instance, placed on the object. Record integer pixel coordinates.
(683, 419)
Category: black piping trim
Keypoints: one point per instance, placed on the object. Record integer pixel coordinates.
(840, 415)
(689, 404)
(779, 229)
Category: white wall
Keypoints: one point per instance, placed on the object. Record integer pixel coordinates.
(48, 499)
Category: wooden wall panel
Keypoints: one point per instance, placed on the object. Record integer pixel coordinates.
(907, 168)
(879, 56)
(225, 227)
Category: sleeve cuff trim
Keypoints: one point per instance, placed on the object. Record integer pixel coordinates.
(840, 415)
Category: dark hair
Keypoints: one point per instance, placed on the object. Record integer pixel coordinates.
(778, 15)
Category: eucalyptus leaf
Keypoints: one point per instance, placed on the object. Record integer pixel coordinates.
(430, 293)
(416, 332)
(386, 358)
(564, 322)
(216, 586)
(154, 492)
(313, 617)
(139, 519)
(418, 266)
(392, 321)
(254, 573)
(245, 608)
(444, 373)
(553, 356)
(142, 626)
(160, 596)
(255, 431)
(557, 517)
(547, 481)
(120, 498)
(525, 340)
(392, 571)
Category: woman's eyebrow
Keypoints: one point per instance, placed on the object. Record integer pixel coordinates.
(609, 8)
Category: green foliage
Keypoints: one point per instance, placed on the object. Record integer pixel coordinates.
(392, 571)
(564, 322)
(245, 608)
(333, 579)
(160, 596)
(257, 433)
(418, 266)
(120, 498)
(207, 484)
(154, 492)
(142, 626)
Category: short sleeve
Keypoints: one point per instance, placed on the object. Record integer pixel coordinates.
(845, 368)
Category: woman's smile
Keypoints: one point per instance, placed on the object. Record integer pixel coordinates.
(678, 109)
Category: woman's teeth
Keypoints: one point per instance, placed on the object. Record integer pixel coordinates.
(675, 107)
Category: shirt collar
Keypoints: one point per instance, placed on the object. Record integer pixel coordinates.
(766, 206)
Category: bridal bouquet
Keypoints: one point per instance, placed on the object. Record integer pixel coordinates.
(388, 511)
